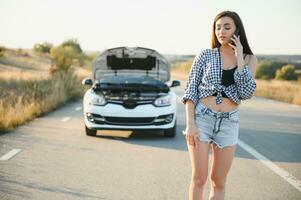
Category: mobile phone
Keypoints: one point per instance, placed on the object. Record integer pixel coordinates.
(236, 32)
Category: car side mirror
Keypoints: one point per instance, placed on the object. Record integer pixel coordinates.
(87, 81)
(175, 83)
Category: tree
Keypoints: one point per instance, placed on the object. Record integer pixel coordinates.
(287, 72)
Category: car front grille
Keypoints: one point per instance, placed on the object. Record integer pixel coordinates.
(129, 121)
(129, 104)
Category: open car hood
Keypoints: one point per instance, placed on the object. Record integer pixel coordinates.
(131, 61)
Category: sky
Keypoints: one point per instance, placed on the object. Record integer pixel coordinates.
(168, 26)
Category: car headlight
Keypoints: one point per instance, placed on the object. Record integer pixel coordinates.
(163, 101)
(98, 100)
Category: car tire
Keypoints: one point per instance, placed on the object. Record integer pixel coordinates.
(90, 132)
(171, 132)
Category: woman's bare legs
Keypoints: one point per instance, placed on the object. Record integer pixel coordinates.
(199, 156)
(222, 160)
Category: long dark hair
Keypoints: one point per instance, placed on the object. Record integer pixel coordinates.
(238, 23)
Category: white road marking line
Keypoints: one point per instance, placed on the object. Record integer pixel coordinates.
(78, 108)
(10, 154)
(66, 119)
(281, 172)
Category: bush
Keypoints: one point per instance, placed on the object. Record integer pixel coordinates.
(73, 43)
(287, 72)
(266, 70)
(91, 56)
(80, 57)
(43, 47)
(2, 49)
(265, 77)
(62, 58)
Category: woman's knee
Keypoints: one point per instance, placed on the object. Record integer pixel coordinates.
(218, 182)
(199, 180)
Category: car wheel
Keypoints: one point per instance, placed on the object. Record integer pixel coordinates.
(90, 132)
(171, 132)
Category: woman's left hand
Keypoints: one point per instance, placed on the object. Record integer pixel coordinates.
(238, 48)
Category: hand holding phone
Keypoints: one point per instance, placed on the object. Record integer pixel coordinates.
(236, 32)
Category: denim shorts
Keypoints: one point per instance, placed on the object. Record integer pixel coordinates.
(221, 128)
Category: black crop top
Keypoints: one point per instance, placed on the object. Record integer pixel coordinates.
(227, 79)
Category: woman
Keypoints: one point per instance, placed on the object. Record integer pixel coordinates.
(219, 79)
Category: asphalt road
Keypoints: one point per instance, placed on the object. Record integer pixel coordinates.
(54, 159)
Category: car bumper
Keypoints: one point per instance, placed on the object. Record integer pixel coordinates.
(143, 117)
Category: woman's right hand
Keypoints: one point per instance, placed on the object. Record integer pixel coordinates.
(192, 135)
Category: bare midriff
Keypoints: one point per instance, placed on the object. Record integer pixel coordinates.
(227, 105)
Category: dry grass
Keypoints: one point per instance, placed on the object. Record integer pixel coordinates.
(23, 100)
(28, 90)
(25, 60)
(183, 67)
(23, 65)
(22, 75)
(287, 91)
(17, 74)
(82, 72)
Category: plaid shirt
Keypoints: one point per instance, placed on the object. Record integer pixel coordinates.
(205, 79)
